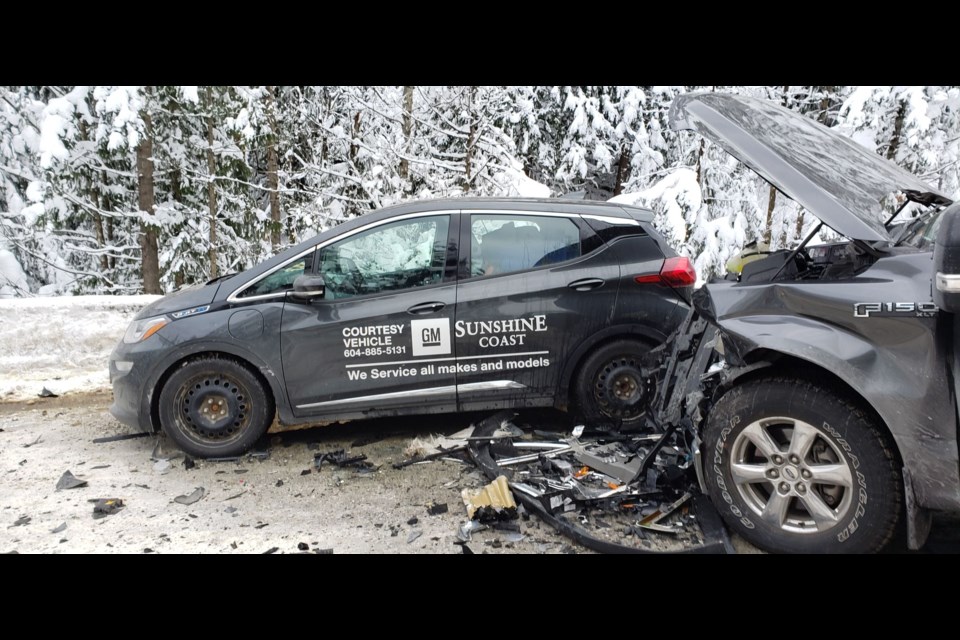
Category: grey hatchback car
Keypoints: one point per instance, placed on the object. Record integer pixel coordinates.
(426, 307)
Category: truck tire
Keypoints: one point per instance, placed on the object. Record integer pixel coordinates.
(794, 467)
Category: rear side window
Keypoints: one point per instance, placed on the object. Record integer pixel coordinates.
(505, 243)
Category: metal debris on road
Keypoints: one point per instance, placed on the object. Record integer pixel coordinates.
(70, 481)
(103, 507)
(122, 436)
(191, 498)
(341, 458)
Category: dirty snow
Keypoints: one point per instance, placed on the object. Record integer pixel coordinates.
(61, 343)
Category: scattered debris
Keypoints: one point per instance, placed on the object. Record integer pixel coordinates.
(103, 507)
(162, 467)
(324, 552)
(122, 436)
(148, 550)
(46, 393)
(163, 450)
(468, 528)
(271, 550)
(191, 498)
(341, 458)
(230, 510)
(412, 521)
(22, 520)
(60, 529)
(100, 466)
(30, 444)
(279, 483)
(240, 471)
(416, 533)
(70, 481)
(514, 537)
(303, 546)
(492, 502)
(262, 525)
(436, 509)
(465, 550)
(188, 463)
(306, 472)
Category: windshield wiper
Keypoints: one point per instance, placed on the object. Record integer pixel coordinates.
(219, 278)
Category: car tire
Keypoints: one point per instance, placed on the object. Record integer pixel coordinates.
(610, 386)
(794, 467)
(215, 407)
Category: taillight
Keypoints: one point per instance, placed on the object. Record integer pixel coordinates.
(675, 272)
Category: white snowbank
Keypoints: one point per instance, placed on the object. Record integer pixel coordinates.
(12, 277)
(61, 343)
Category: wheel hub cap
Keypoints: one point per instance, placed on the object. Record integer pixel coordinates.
(791, 475)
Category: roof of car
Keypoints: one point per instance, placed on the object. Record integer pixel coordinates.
(559, 205)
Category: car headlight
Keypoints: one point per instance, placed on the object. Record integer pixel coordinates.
(140, 330)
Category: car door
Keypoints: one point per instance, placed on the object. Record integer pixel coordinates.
(532, 287)
(380, 337)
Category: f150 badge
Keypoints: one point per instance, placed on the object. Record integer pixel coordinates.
(894, 309)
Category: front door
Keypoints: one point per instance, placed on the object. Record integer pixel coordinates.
(380, 338)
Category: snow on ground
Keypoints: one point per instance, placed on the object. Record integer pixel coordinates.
(60, 343)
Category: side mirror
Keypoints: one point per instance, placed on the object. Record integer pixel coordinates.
(946, 261)
(308, 287)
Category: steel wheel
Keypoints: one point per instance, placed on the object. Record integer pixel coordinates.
(620, 390)
(214, 408)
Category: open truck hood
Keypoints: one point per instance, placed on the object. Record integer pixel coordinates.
(831, 176)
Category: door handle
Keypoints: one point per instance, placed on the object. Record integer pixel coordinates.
(586, 284)
(425, 308)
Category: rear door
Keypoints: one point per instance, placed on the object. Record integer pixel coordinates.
(380, 339)
(532, 287)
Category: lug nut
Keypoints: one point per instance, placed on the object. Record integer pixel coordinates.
(806, 473)
(784, 487)
(801, 488)
(773, 474)
(778, 460)
(794, 459)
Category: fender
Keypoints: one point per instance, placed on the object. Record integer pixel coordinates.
(910, 402)
(185, 350)
(616, 331)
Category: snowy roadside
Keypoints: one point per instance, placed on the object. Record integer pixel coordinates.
(60, 343)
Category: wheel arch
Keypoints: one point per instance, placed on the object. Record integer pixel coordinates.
(264, 373)
(637, 332)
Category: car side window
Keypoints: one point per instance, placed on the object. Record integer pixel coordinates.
(281, 280)
(504, 243)
(392, 257)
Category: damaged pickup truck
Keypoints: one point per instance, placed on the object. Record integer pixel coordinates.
(826, 410)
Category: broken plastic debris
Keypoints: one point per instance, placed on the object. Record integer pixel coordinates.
(46, 393)
(198, 493)
(162, 467)
(303, 546)
(468, 528)
(437, 509)
(578, 430)
(104, 507)
(188, 463)
(70, 481)
(271, 550)
(22, 520)
(416, 533)
(492, 502)
(59, 529)
(122, 436)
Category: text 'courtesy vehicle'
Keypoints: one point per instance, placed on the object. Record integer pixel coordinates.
(426, 307)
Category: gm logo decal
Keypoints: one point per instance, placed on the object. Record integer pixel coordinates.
(430, 337)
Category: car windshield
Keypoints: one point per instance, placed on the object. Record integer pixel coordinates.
(921, 232)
